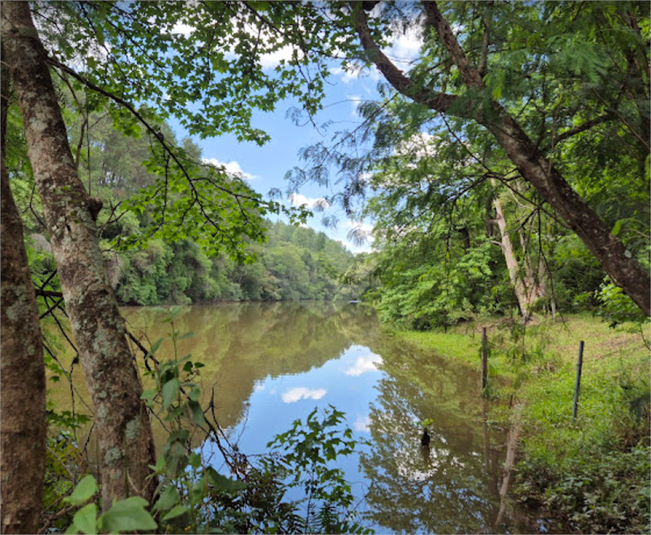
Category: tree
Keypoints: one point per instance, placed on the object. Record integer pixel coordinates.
(432, 184)
(534, 99)
(22, 452)
(216, 208)
(126, 447)
(538, 170)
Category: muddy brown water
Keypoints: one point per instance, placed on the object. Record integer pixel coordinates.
(269, 364)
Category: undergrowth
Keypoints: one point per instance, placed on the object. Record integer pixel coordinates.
(589, 474)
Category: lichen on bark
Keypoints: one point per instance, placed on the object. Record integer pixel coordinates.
(108, 364)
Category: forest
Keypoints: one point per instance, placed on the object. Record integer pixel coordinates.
(507, 175)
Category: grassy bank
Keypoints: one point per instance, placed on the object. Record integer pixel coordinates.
(592, 473)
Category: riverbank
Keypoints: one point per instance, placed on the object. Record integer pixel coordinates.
(591, 473)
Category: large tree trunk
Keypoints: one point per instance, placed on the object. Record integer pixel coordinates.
(121, 421)
(22, 371)
(540, 172)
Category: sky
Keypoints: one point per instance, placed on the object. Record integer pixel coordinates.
(264, 167)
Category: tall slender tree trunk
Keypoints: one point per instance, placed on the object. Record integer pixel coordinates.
(22, 371)
(122, 424)
(517, 281)
(527, 282)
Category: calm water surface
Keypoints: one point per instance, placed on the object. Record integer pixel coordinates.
(270, 364)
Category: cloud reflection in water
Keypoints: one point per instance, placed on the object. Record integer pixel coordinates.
(300, 392)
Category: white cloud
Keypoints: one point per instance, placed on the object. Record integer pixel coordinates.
(360, 234)
(355, 72)
(403, 51)
(183, 29)
(301, 200)
(232, 168)
(421, 145)
(405, 48)
(300, 392)
(361, 424)
(355, 100)
(358, 226)
(364, 364)
(354, 248)
(273, 59)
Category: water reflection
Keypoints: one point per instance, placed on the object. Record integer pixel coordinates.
(271, 363)
(244, 343)
(449, 486)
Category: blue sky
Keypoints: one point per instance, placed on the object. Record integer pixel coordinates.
(264, 167)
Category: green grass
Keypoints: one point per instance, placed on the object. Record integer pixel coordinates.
(593, 472)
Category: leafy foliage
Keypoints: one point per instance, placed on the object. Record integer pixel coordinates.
(303, 454)
(294, 263)
(604, 493)
(124, 515)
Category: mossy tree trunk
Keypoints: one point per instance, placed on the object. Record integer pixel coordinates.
(22, 371)
(122, 423)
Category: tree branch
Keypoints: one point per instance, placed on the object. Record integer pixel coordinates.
(481, 68)
(434, 18)
(609, 116)
(432, 99)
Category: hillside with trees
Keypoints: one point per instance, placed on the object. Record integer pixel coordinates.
(285, 262)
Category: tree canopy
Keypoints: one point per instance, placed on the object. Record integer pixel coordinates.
(553, 114)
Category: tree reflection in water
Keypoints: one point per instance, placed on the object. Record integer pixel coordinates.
(451, 486)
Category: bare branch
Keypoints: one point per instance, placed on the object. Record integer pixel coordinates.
(432, 99)
(435, 19)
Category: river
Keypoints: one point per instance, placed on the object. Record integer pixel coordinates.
(272, 363)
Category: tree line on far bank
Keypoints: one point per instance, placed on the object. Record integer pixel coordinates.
(294, 263)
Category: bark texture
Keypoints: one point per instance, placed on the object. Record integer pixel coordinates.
(540, 172)
(527, 284)
(22, 370)
(121, 420)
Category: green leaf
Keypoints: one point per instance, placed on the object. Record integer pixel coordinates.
(223, 482)
(170, 390)
(86, 519)
(197, 413)
(86, 488)
(148, 395)
(168, 499)
(155, 347)
(617, 228)
(195, 460)
(128, 515)
(175, 311)
(186, 335)
(177, 511)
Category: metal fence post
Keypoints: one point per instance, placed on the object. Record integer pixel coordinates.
(577, 388)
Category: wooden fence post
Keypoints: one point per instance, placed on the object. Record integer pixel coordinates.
(484, 361)
(577, 388)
